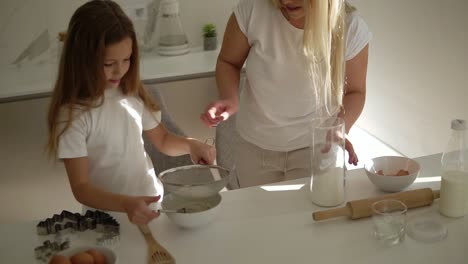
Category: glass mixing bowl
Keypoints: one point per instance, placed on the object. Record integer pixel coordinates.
(195, 181)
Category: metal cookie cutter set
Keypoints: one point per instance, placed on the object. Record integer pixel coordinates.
(69, 223)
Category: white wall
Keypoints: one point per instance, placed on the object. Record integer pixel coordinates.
(196, 13)
(417, 78)
(21, 21)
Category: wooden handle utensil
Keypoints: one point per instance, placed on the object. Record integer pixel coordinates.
(362, 208)
(157, 254)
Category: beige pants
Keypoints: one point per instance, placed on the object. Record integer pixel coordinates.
(257, 166)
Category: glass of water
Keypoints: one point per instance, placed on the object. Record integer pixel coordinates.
(389, 217)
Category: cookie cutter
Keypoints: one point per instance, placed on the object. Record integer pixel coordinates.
(109, 239)
(67, 222)
(49, 248)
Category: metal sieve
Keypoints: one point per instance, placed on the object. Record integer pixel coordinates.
(195, 181)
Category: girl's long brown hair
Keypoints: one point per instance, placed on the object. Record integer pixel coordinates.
(80, 83)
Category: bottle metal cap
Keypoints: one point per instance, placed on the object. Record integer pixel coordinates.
(458, 124)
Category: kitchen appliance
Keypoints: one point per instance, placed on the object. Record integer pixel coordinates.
(171, 38)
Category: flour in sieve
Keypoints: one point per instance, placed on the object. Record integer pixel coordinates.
(195, 207)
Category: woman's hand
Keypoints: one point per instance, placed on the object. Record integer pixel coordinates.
(353, 159)
(202, 153)
(338, 137)
(138, 211)
(218, 111)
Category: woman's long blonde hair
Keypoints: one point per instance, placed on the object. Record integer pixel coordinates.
(324, 43)
(81, 82)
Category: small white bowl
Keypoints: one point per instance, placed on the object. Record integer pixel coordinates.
(109, 254)
(200, 212)
(390, 165)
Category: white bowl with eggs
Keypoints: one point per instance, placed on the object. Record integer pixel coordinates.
(85, 255)
(392, 173)
(198, 212)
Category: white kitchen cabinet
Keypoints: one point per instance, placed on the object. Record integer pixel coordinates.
(186, 100)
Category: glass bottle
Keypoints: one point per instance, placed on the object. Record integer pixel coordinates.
(137, 11)
(454, 187)
(151, 27)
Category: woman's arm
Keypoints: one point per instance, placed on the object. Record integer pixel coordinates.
(136, 207)
(230, 61)
(174, 145)
(355, 88)
(355, 96)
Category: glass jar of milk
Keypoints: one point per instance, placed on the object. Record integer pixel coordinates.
(454, 187)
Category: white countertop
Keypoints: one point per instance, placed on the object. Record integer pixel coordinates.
(259, 226)
(31, 81)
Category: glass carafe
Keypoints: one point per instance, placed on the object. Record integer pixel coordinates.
(327, 161)
(172, 39)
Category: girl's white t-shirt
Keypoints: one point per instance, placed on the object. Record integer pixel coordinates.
(110, 135)
(277, 100)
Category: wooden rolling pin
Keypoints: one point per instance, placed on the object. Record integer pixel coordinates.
(362, 208)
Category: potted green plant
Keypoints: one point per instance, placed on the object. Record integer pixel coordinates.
(210, 41)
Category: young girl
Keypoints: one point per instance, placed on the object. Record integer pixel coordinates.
(98, 112)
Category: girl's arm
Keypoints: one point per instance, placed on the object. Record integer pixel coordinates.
(135, 207)
(174, 145)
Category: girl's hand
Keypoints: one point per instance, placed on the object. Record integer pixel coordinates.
(218, 111)
(138, 211)
(202, 153)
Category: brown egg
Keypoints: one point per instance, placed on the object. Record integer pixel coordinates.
(82, 258)
(59, 259)
(402, 173)
(99, 258)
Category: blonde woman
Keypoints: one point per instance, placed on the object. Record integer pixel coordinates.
(298, 54)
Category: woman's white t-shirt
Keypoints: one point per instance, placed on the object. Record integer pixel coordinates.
(277, 101)
(110, 135)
